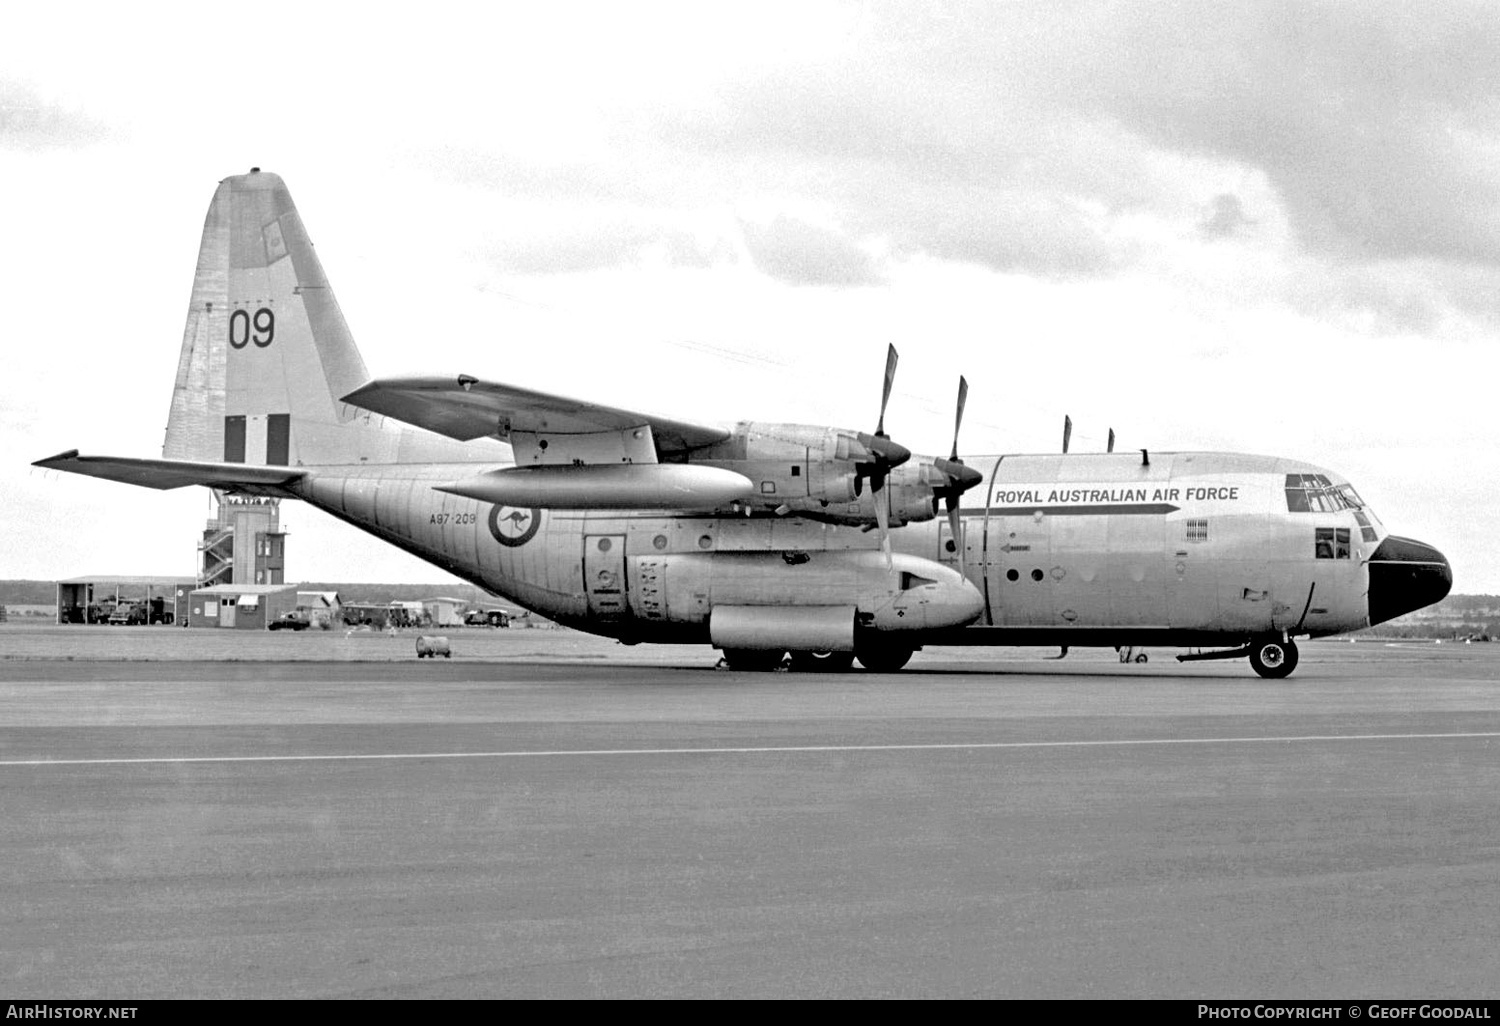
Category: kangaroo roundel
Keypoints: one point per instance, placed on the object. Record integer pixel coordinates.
(512, 527)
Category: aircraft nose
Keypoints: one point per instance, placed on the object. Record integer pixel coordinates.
(1406, 575)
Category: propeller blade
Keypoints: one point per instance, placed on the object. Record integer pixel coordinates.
(882, 516)
(890, 380)
(958, 418)
(1111, 441)
(954, 528)
(1067, 432)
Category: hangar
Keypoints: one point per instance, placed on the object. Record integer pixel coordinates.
(106, 599)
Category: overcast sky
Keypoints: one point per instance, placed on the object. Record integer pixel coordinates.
(1249, 226)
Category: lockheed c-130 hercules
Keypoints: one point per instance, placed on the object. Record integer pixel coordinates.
(758, 539)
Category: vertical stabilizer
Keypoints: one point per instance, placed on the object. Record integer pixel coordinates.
(266, 354)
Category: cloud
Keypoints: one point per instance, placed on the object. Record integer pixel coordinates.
(27, 122)
(1226, 218)
(1374, 122)
(1063, 140)
(799, 253)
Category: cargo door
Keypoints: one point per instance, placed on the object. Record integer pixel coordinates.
(604, 576)
(1020, 553)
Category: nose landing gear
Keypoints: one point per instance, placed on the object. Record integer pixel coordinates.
(1273, 658)
(1272, 655)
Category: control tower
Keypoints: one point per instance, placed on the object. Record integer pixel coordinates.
(244, 544)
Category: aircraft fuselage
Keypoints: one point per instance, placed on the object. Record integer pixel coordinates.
(1086, 549)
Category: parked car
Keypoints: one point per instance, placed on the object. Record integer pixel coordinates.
(128, 616)
(486, 618)
(295, 620)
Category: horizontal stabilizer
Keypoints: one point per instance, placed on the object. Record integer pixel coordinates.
(238, 477)
(467, 408)
(618, 486)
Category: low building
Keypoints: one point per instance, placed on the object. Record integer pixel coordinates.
(322, 607)
(240, 606)
(444, 611)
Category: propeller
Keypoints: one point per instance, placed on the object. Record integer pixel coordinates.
(885, 455)
(960, 478)
(1111, 441)
(1067, 432)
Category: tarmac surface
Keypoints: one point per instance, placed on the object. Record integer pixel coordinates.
(205, 814)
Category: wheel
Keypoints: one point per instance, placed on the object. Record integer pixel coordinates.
(822, 662)
(755, 660)
(882, 656)
(1274, 658)
(1141, 658)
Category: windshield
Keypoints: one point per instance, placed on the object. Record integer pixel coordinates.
(1315, 493)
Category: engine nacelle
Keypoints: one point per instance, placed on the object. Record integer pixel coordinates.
(813, 471)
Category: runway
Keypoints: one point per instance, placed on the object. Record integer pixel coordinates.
(631, 823)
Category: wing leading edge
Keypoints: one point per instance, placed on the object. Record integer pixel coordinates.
(542, 428)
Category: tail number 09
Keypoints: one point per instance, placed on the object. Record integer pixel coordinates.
(244, 329)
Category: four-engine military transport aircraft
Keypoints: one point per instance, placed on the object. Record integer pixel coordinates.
(761, 539)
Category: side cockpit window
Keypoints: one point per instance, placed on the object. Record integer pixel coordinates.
(911, 580)
(1331, 543)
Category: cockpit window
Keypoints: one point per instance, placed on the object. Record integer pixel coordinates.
(911, 580)
(1314, 493)
(1331, 543)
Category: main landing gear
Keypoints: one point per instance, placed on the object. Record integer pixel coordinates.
(754, 660)
(822, 662)
(874, 654)
(880, 655)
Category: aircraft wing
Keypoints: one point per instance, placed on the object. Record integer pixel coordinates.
(175, 473)
(542, 428)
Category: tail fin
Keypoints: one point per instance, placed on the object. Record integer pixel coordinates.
(266, 354)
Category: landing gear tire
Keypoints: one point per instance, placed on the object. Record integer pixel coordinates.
(882, 656)
(1141, 658)
(1274, 658)
(753, 660)
(822, 662)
